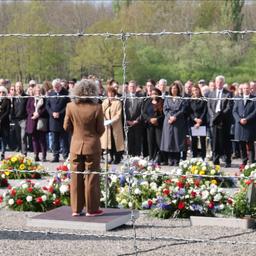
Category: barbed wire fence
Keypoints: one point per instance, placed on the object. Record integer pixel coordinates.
(124, 37)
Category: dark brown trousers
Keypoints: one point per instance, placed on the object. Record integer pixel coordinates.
(85, 189)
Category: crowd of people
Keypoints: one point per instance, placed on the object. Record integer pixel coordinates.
(158, 121)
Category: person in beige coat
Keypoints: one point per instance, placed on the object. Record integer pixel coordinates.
(84, 119)
(113, 137)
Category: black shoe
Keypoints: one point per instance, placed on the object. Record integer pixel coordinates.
(44, 160)
(117, 161)
(227, 165)
(2, 157)
(36, 159)
(55, 160)
(164, 163)
(17, 149)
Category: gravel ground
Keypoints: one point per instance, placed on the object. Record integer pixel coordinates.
(149, 231)
(155, 236)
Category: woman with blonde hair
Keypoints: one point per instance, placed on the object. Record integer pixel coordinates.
(84, 119)
(36, 114)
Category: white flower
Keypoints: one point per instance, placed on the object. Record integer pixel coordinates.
(130, 204)
(178, 171)
(204, 168)
(54, 196)
(153, 185)
(29, 198)
(25, 185)
(3, 176)
(150, 168)
(63, 189)
(37, 185)
(205, 194)
(144, 183)
(213, 191)
(44, 198)
(114, 178)
(186, 196)
(11, 201)
(137, 191)
(143, 163)
(51, 181)
(212, 172)
(221, 206)
(217, 197)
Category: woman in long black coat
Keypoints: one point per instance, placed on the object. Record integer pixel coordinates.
(174, 130)
(244, 112)
(4, 119)
(153, 117)
(198, 117)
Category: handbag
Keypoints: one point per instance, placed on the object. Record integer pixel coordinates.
(42, 124)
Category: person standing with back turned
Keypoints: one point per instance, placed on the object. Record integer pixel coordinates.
(84, 119)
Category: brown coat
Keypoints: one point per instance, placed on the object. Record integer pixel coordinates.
(86, 122)
(113, 112)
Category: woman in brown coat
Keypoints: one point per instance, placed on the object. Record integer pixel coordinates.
(84, 118)
(113, 138)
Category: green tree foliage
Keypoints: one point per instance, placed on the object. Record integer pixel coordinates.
(170, 57)
(234, 13)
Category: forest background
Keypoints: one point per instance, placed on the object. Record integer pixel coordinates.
(170, 57)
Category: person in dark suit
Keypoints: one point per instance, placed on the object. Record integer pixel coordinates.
(19, 117)
(84, 119)
(35, 110)
(56, 107)
(198, 117)
(220, 113)
(153, 116)
(4, 119)
(133, 105)
(244, 113)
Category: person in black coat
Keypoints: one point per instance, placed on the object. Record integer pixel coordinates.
(244, 113)
(220, 112)
(19, 117)
(198, 117)
(4, 119)
(56, 107)
(153, 117)
(174, 126)
(133, 105)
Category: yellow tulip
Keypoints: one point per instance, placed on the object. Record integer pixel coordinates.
(217, 167)
(22, 167)
(14, 159)
(214, 182)
(202, 172)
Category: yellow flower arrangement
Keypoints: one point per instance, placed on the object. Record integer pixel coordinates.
(18, 162)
